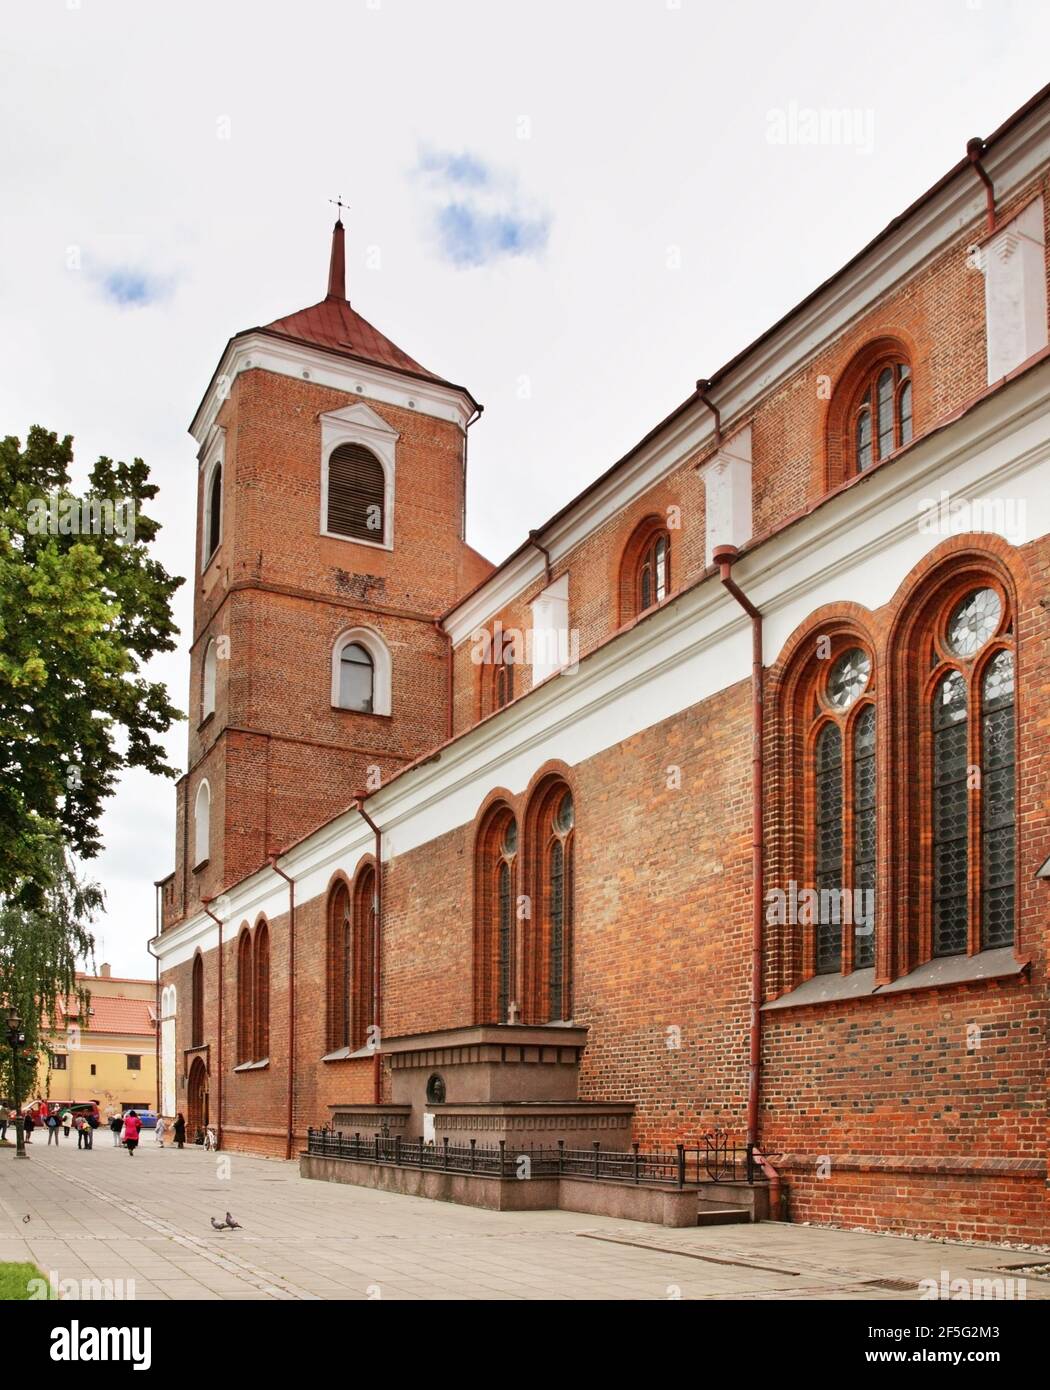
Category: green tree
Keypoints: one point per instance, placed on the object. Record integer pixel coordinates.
(82, 609)
(39, 950)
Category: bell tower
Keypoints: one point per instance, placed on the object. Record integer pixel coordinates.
(330, 538)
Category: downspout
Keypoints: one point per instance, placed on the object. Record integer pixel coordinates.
(475, 417)
(975, 148)
(156, 986)
(290, 1142)
(546, 556)
(218, 1060)
(724, 556)
(377, 955)
(443, 632)
(702, 388)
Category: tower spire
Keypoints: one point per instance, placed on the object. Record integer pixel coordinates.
(337, 264)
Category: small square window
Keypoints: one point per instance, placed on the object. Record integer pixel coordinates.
(134, 1061)
(59, 1061)
(92, 1069)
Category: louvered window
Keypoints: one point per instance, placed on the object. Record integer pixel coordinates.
(214, 527)
(356, 501)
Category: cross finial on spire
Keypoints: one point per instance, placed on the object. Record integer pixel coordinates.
(337, 265)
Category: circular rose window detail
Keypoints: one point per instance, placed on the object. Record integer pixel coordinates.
(974, 622)
(848, 678)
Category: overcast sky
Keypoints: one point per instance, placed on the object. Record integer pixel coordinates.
(575, 209)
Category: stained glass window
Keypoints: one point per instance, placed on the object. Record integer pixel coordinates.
(974, 621)
(556, 920)
(950, 817)
(848, 677)
(997, 802)
(864, 792)
(829, 841)
(504, 940)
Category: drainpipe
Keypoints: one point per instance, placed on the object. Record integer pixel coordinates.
(702, 388)
(975, 148)
(545, 553)
(156, 986)
(377, 955)
(290, 1142)
(724, 556)
(218, 1063)
(448, 673)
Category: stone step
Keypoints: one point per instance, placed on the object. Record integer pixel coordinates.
(709, 1215)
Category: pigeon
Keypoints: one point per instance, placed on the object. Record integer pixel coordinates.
(218, 1225)
(233, 1225)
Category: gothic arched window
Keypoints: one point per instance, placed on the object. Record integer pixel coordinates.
(843, 820)
(645, 568)
(244, 997)
(362, 1003)
(340, 967)
(495, 859)
(197, 1002)
(261, 993)
(213, 513)
(548, 954)
(970, 795)
(881, 418)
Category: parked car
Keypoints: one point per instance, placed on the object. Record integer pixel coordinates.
(148, 1117)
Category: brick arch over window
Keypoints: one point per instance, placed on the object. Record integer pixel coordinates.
(197, 1002)
(495, 917)
(955, 669)
(827, 708)
(244, 996)
(339, 972)
(549, 875)
(872, 410)
(261, 992)
(645, 568)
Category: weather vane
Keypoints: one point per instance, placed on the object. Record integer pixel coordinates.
(338, 202)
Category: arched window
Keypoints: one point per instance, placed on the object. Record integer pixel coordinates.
(208, 680)
(356, 678)
(654, 571)
(881, 416)
(362, 672)
(503, 654)
(495, 856)
(645, 568)
(970, 794)
(244, 997)
(548, 946)
(355, 501)
(340, 967)
(842, 831)
(197, 1003)
(261, 993)
(362, 1003)
(213, 513)
(201, 824)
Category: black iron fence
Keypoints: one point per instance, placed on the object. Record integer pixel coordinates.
(713, 1159)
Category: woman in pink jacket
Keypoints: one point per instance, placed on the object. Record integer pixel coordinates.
(132, 1125)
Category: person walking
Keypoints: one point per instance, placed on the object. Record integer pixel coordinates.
(116, 1124)
(179, 1130)
(80, 1125)
(5, 1120)
(28, 1125)
(52, 1130)
(132, 1126)
(158, 1133)
(67, 1120)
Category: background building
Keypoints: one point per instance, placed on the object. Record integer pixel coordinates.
(109, 1055)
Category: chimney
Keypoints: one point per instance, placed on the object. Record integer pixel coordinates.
(105, 970)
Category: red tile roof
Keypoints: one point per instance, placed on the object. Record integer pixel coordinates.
(333, 325)
(134, 1016)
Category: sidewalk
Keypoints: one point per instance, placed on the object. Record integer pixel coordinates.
(104, 1215)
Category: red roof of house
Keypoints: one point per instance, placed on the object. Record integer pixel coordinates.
(134, 1016)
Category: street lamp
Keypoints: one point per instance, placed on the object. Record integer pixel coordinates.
(17, 1040)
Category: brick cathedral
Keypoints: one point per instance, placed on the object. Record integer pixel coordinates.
(719, 807)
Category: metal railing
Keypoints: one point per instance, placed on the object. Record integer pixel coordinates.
(713, 1159)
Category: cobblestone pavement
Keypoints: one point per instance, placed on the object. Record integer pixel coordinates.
(103, 1215)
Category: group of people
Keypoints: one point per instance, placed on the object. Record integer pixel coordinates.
(125, 1128)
